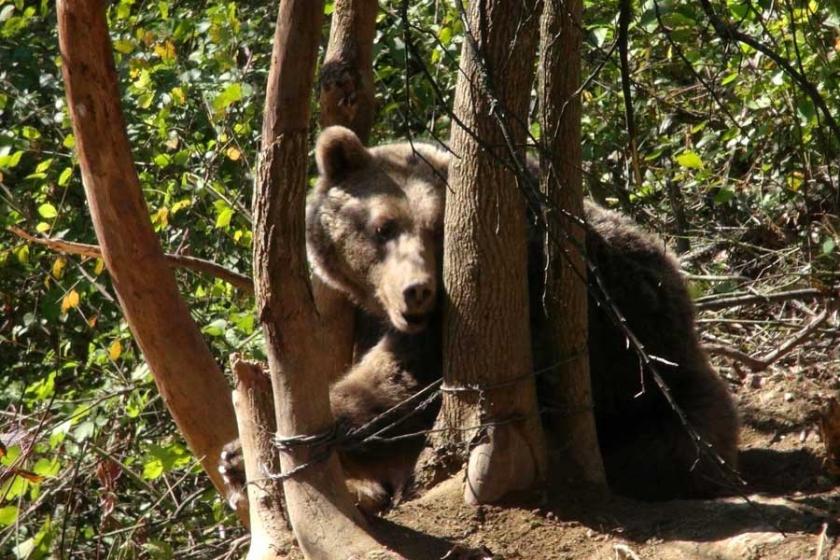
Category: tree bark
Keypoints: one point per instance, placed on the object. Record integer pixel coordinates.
(571, 417)
(321, 512)
(346, 99)
(486, 338)
(347, 92)
(190, 381)
(254, 406)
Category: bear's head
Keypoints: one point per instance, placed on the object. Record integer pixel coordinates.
(374, 225)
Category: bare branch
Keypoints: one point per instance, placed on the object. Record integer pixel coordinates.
(235, 279)
(762, 363)
(709, 303)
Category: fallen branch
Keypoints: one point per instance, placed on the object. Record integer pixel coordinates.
(717, 302)
(723, 350)
(762, 363)
(235, 279)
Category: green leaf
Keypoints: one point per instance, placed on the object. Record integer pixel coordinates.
(8, 515)
(47, 467)
(828, 246)
(230, 95)
(44, 165)
(64, 178)
(162, 160)
(690, 160)
(30, 133)
(47, 211)
(124, 46)
(84, 430)
(224, 217)
(724, 195)
(9, 161)
(216, 328)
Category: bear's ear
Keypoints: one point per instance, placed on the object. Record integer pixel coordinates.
(338, 152)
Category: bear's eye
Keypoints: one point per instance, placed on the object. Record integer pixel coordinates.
(386, 231)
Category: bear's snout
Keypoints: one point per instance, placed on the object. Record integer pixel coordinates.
(418, 296)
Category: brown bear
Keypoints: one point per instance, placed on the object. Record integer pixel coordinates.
(374, 231)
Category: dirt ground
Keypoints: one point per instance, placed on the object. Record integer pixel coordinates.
(789, 509)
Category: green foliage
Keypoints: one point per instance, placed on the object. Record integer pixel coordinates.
(97, 466)
(192, 74)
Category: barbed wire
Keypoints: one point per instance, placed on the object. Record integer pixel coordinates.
(545, 215)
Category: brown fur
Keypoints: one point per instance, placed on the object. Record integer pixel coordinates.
(646, 450)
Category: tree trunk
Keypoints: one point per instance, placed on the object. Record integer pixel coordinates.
(190, 381)
(322, 514)
(347, 92)
(486, 338)
(254, 405)
(346, 99)
(571, 417)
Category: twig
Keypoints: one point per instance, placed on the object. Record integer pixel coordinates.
(762, 363)
(237, 280)
(715, 302)
(821, 540)
(729, 352)
(624, 16)
(797, 339)
(701, 252)
(715, 277)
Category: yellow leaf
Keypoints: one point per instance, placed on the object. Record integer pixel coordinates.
(161, 217)
(180, 205)
(233, 153)
(70, 301)
(147, 37)
(92, 321)
(58, 267)
(165, 50)
(100, 266)
(178, 95)
(115, 350)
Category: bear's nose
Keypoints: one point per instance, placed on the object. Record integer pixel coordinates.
(418, 296)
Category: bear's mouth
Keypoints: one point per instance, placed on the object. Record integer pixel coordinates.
(411, 322)
(415, 319)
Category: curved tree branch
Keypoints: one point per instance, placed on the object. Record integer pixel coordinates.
(190, 381)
